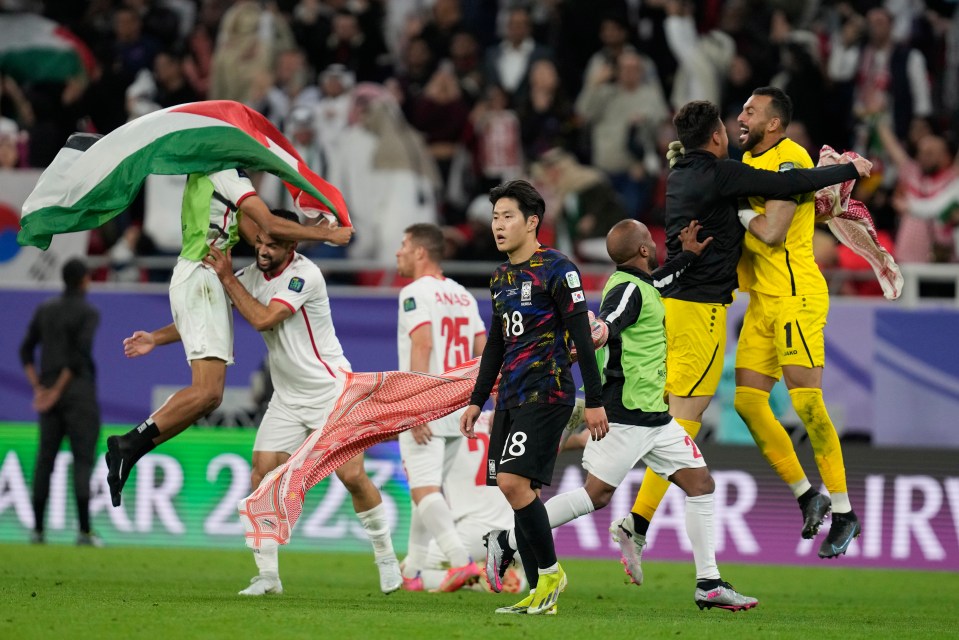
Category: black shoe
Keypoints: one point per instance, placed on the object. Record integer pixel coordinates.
(37, 537)
(118, 469)
(814, 511)
(845, 528)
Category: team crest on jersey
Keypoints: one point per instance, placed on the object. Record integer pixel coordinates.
(572, 279)
(527, 289)
(296, 284)
(409, 304)
(578, 296)
(786, 166)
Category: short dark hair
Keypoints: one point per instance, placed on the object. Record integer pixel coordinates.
(696, 122)
(430, 237)
(780, 103)
(525, 195)
(73, 273)
(286, 214)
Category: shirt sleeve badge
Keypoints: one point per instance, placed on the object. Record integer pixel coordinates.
(296, 284)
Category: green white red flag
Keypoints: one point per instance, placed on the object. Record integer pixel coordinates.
(95, 179)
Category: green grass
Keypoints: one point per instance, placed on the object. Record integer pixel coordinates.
(66, 592)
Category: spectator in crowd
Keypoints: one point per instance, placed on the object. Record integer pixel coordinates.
(703, 59)
(589, 207)
(496, 133)
(633, 104)
(441, 114)
(64, 393)
(385, 172)
(10, 144)
(546, 113)
(445, 22)
(418, 67)
(246, 46)
(881, 69)
(928, 184)
(465, 56)
(362, 51)
(290, 86)
(508, 63)
(333, 108)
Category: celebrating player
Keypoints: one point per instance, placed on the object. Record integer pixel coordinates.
(782, 334)
(217, 209)
(439, 328)
(284, 297)
(538, 306)
(705, 186)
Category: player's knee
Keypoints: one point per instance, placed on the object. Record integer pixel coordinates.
(353, 477)
(601, 497)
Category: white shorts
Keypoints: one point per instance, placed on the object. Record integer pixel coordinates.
(285, 428)
(201, 312)
(665, 450)
(427, 464)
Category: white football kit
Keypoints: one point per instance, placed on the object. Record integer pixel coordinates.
(306, 359)
(477, 508)
(452, 314)
(200, 306)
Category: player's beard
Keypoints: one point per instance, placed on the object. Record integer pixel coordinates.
(653, 259)
(752, 139)
(271, 266)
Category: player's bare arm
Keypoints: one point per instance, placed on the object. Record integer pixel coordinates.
(280, 229)
(772, 227)
(468, 421)
(261, 317)
(143, 342)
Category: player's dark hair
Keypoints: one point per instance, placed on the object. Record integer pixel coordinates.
(780, 104)
(428, 236)
(73, 272)
(527, 198)
(696, 122)
(286, 214)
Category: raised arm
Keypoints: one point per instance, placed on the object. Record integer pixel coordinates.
(735, 179)
(256, 211)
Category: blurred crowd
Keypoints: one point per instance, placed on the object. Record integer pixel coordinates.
(415, 108)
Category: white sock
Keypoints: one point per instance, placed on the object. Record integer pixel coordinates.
(799, 488)
(376, 527)
(699, 528)
(418, 547)
(568, 506)
(840, 502)
(438, 520)
(553, 568)
(561, 509)
(268, 561)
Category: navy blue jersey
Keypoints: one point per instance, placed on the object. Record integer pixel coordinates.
(531, 301)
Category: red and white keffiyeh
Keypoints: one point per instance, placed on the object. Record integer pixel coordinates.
(373, 407)
(850, 221)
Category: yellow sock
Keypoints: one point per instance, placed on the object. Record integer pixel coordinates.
(811, 409)
(653, 489)
(770, 436)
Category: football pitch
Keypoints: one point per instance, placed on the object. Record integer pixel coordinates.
(67, 592)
